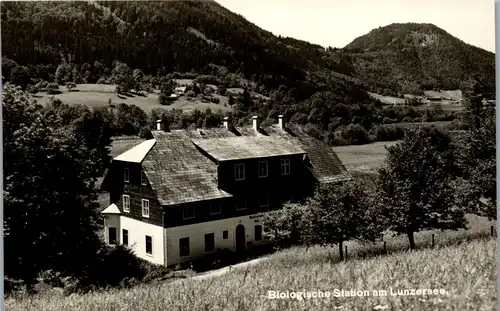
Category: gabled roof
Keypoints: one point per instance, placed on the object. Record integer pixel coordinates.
(112, 209)
(245, 147)
(178, 172)
(137, 153)
(326, 165)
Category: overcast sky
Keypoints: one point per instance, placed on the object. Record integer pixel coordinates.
(337, 22)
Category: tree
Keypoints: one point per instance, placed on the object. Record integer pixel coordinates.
(53, 88)
(478, 167)
(284, 226)
(231, 101)
(473, 91)
(70, 85)
(415, 184)
(49, 195)
(341, 212)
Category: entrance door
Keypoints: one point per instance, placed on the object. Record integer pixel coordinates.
(240, 238)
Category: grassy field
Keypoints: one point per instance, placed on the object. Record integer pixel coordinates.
(447, 102)
(364, 158)
(465, 271)
(99, 95)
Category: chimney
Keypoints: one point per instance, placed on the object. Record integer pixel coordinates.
(281, 123)
(160, 125)
(256, 123)
(227, 123)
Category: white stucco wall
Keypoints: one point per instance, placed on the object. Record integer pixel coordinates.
(196, 234)
(137, 231)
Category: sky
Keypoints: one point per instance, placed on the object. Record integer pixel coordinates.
(336, 23)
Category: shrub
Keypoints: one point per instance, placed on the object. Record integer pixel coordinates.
(163, 99)
(53, 88)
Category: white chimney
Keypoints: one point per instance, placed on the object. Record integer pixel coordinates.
(160, 125)
(227, 123)
(256, 123)
(281, 123)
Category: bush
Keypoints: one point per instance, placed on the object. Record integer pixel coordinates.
(354, 134)
(53, 88)
(388, 132)
(163, 99)
(32, 89)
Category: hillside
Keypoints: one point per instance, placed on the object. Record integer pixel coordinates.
(298, 269)
(203, 37)
(413, 57)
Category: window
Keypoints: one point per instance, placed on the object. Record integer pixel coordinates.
(126, 175)
(125, 237)
(215, 208)
(225, 234)
(264, 200)
(285, 167)
(112, 235)
(149, 245)
(145, 208)
(258, 233)
(184, 247)
(126, 203)
(188, 212)
(241, 205)
(239, 171)
(209, 242)
(144, 179)
(263, 172)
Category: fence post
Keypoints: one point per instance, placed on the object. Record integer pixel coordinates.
(433, 240)
(492, 230)
(385, 248)
(346, 252)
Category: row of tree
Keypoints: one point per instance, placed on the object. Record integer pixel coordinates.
(429, 180)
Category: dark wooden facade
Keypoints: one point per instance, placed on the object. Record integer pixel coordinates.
(250, 191)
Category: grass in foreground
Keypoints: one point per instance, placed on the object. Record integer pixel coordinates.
(466, 271)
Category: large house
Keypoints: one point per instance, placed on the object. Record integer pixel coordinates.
(186, 193)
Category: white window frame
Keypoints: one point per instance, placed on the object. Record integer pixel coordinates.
(116, 236)
(268, 196)
(266, 165)
(126, 207)
(184, 212)
(145, 208)
(238, 168)
(245, 205)
(285, 163)
(144, 179)
(146, 245)
(126, 175)
(189, 247)
(217, 212)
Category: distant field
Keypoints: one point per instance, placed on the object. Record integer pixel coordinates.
(446, 102)
(364, 158)
(99, 95)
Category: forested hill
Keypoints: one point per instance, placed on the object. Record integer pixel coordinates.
(411, 57)
(161, 37)
(157, 37)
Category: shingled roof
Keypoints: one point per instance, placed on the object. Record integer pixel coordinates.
(245, 147)
(326, 165)
(178, 172)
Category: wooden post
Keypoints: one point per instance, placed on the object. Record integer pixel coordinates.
(385, 248)
(492, 230)
(433, 240)
(346, 252)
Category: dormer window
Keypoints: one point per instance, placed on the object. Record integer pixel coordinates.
(263, 169)
(126, 175)
(285, 167)
(239, 171)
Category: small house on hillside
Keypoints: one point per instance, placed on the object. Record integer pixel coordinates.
(186, 193)
(180, 90)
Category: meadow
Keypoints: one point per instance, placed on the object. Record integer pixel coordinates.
(94, 95)
(462, 264)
